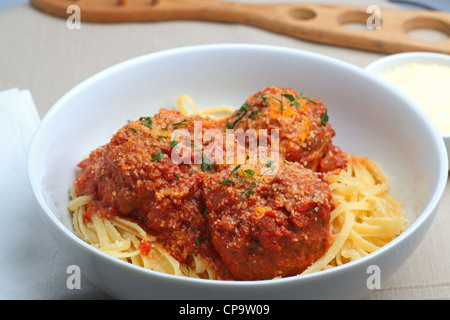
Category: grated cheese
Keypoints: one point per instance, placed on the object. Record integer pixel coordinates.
(429, 86)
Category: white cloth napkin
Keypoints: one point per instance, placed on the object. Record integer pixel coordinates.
(31, 265)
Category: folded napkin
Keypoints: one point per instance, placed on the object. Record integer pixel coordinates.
(31, 264)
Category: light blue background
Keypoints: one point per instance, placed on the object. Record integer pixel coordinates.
(6, 4)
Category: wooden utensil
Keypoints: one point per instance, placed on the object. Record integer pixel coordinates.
(314, 22)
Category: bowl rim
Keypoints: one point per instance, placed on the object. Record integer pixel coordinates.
(404, 56)
(428, 212)
(408, 57)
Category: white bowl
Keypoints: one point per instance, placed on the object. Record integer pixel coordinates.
(360, 110)
(389, 62)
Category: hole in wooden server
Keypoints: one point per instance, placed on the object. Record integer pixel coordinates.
(427, 29)
(354, 20)
(302, 13)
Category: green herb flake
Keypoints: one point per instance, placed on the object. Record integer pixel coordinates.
(197, 242)
(133, 129)
(265, 98)
(176, 175)
(206, 163)
(281, 103)
(181, 123)
(158, 156)
(291, 98)
(256, 113)
(324, 118)
(227, 182)
(302, 96)
(250, 172)
(149, 122)
(271, 168)
(173, 143)
(251, 190)
(235, 169)
(241, 113)
(162, 137)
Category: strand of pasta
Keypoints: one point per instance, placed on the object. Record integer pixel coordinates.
(121, 239)
(215, 112)
(366, 216)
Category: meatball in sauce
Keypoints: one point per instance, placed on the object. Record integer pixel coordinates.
(304, 131)
(133, 176)
(265, 225)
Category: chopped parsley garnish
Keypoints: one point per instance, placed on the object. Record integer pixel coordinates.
(301, 96)
(162, 137)
(256, 113)
(324, 118)
(271, 167)
(281, 103)
(251, 190)
(250, 172)
(158, 156)
(291, 98)
(197, 242)
(173, 143)
(207, 164)
(149, 122)
(235, 168)
(180, 123)
(227, 182)
(133, 129)
(266, 99)
(176, 175)
(166, 127)
(241, 113)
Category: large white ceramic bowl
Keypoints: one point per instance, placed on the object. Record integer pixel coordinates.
(387, 63)
(369, 117)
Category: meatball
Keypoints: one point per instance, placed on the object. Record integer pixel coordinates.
(305, 136)
(133, 176)
(266, 223)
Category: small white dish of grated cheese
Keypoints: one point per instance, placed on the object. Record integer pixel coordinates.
(424, 77)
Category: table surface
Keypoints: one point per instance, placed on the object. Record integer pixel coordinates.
(38, 52)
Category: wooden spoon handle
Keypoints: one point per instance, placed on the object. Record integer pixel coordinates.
(314, 22)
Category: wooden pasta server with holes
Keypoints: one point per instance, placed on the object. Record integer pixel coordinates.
(313, 22)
